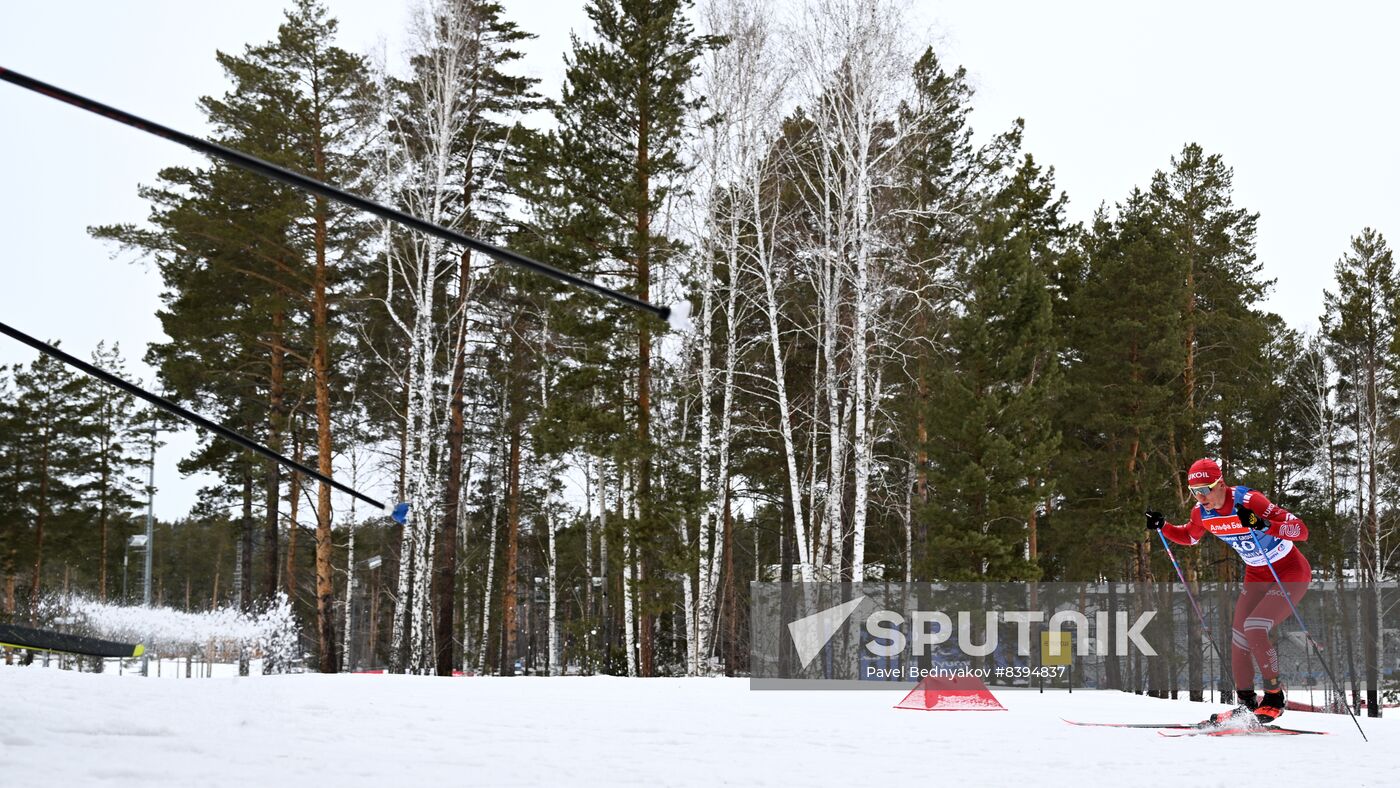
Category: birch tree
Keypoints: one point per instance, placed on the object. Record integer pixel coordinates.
(427, 123)
(854, 76)
(744, 89)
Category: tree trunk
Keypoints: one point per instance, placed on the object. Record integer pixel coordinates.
(346, 647)
(643, 247)
(446, 577)
(604, 589)
(293, 503)
(245, 538)
(482, 664)
(627, 505)
(492, 526)
(102, 525)
(275, 421)
(555, 668)
(320, 368)
(508, 584)
(41, 516)
(864, 403)
(731, 605)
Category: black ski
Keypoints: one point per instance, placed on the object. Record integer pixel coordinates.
(14, 636)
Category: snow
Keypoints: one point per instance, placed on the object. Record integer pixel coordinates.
(68, 728)
(167, 630)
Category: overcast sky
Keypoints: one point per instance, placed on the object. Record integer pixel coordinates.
(1300, 101)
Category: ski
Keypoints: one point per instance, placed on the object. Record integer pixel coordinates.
(1178, 725)
(1266, 730)
(13, 636)
(1205, 728)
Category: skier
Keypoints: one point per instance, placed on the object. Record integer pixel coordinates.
(1262, 533)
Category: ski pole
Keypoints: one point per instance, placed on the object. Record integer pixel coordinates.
(326, 190)
(1210, 636)
(197, 420)
(1308, 637)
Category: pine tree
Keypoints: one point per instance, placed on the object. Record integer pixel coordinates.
(945, 184)
(328, 97)
(108, 441)
(234, 281)
(622, 116)
(254, 270)
(12, 517)
(1363, 334)
(992, 436)
(48, 415)
(1213, 242)
(1119, 405)
(220, 241)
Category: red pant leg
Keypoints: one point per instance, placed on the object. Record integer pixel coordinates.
(1261, 606)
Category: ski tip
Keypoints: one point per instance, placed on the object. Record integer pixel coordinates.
(400, 513)
(139, 650)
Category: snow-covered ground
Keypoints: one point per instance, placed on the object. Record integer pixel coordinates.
(69, 728)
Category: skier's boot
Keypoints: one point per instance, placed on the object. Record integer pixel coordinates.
(1245, 712)
(1271, 708)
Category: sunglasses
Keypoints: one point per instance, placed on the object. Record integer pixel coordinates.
(1204, 490)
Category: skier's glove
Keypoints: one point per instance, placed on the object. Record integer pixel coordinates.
(1155, 520)
(1249, 519)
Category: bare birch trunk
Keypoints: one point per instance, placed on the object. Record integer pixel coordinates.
(490, 564)
(772, 308)
(555, 668)
(345, 664)
(629, 574)
(443, 43)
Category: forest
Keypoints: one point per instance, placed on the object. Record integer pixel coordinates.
(904, 363)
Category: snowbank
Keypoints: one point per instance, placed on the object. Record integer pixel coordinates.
(271, 631)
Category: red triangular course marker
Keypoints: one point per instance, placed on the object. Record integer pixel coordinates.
(961, 693)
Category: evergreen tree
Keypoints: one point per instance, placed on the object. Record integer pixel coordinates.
(1120, 399)
(1363, 332)
(108, 445)
(48, 415)
(622, 117)
(947, 181)
(992, 435)
(12, 515)
(254, 270)
(1223, 333)
(328, 98)
(220, 241)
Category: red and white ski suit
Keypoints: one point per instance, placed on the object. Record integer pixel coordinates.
(1261, 605)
